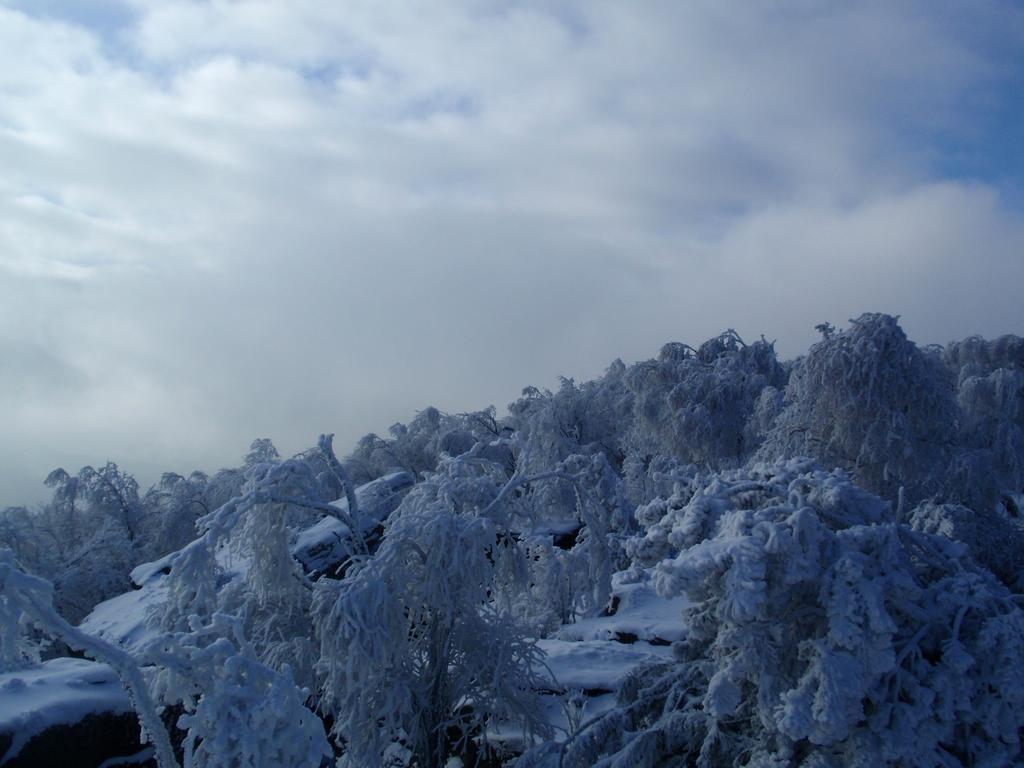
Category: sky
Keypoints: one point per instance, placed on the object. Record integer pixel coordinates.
(250, 218)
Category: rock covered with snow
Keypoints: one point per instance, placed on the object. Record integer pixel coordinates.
(328, 543)
(62, 693)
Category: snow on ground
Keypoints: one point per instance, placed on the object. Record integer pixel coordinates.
(58, 692)
(640, 614)
(597, 665)
(121, 620)
(586, 672)
(590, 658)
(141, 574)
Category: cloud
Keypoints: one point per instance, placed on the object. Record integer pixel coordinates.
(220, 220)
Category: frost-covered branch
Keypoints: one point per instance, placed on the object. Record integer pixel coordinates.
(327, 449)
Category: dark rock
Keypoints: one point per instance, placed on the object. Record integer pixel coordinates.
(85, 744)
(567, 539)
(613, 606)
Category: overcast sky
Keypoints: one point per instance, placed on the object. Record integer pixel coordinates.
(223, 220)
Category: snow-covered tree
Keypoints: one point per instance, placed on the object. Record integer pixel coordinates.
(995, 541)
(414, 649)
(412, 447)
(85, 539)
(988, 472)
(253, 523)
(227, 483)
(698, 405)
(578, 418)
(871, 401)
(171, 509)
(272, 600)
(114, 495)
(570, 582)
(417, 447)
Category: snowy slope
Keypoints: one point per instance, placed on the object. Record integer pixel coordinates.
(121, 620)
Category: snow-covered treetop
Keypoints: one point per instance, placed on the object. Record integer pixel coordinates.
(870, 400)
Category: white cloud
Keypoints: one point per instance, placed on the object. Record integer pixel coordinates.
(225, 219)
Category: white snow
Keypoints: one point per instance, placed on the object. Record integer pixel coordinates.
(597, 665)
(587, 657)
(58, 692)
(641, 612)
(121, 620)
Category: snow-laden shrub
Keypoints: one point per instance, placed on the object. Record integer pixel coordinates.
(871, 401)
(238, 712)
(84, 540)
(820, 633)
(689, 516)
(171, 509)
(231, 647)
(273, 600)
(417, 447)
(563, 585)
(976, 356)
(993, 540)
(697, 405)
(557, 588)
